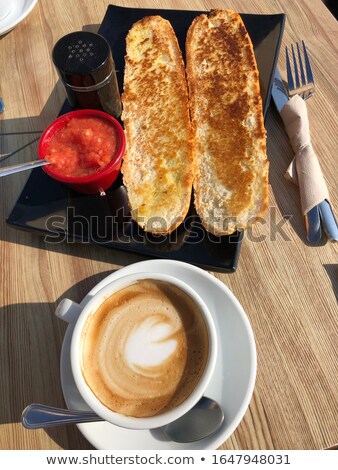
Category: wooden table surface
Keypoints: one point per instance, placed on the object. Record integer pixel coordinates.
(287, 287)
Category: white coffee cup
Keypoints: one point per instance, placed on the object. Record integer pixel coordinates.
(5, 8)
(81, 317)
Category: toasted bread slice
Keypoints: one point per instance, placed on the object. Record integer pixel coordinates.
(231, 182)
(158, 165)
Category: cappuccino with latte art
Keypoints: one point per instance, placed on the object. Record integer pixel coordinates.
(145, 348)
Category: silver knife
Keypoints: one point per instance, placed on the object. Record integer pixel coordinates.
(279, 92)
(312, 218)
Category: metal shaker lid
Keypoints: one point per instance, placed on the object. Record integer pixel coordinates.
(83, 59)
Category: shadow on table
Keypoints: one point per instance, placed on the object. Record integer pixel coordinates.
(332, 272)
(30, 350)
(286, 194)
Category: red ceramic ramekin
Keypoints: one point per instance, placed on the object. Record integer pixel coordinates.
(96, 182)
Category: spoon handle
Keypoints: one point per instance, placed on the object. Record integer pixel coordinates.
(8, 170)
(37, 416)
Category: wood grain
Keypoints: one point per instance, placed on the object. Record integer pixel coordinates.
(287, 288)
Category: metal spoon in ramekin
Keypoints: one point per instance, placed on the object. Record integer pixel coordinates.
(8, 170)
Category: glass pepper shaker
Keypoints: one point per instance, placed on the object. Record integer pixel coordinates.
(86, 67)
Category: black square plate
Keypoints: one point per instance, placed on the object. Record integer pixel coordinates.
(55, 211)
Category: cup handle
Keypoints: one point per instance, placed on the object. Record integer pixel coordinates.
(68, 311)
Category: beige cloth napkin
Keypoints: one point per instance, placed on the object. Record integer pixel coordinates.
(304, 169)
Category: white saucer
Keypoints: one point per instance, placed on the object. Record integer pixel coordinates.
(232, 384)
(19, 11)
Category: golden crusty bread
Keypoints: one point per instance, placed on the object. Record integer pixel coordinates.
(158, 164)
(231, 181)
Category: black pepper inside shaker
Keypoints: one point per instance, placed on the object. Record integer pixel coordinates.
(86, 67)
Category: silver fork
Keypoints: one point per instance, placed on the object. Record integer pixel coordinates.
(301, 82)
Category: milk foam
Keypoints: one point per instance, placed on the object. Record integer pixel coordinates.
(145, 348)
(149, 344)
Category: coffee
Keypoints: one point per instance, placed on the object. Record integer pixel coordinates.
(145, 348)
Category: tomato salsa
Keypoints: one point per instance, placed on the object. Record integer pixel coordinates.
(82, 147)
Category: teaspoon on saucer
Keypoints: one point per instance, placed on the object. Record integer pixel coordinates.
(204, 419)
(201, 421)
(36, 416)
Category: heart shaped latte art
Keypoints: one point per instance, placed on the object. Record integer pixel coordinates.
(150, 344)
(145, 348)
